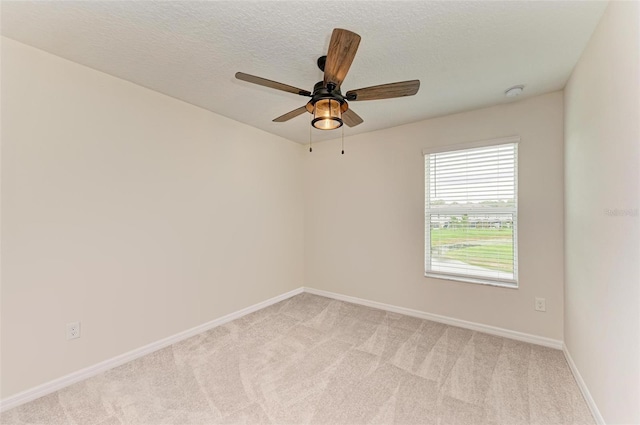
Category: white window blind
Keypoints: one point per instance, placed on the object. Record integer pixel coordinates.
(471, 213)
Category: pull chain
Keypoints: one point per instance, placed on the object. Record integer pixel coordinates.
(343, 140)
(310, 148)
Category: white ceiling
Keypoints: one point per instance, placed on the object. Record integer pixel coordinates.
(464, 53)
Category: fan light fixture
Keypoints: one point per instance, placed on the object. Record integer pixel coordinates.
(327, 114)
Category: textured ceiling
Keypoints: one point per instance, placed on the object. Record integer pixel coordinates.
(465, 53)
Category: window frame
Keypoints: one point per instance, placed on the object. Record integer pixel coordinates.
(489, 281)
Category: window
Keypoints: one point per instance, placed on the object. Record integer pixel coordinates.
(471, 212)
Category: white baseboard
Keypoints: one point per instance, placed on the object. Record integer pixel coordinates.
(583, 388)
(520, 336)
(72, 378)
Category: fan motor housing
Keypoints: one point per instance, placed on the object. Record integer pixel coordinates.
(322, 92)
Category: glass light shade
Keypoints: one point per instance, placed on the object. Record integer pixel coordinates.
(327, 114)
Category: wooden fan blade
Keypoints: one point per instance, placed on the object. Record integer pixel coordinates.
(385, 91)
(351, 119)
(271, 84)
(286, 117)
(342, 49)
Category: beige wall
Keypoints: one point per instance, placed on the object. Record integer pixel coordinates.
(364, 221)
(602, 158)
(135, 213)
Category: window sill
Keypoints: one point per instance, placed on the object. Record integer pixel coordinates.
(476, 280)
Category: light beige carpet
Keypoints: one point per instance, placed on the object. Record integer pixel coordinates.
(313, 360)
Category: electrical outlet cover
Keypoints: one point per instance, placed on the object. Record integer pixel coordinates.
(73, 330)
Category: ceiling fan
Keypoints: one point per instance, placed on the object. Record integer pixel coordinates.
(330, 108)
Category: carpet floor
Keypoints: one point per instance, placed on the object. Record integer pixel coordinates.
(314, 360)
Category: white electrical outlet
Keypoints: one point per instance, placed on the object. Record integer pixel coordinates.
(541, 304)
(73, 330)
